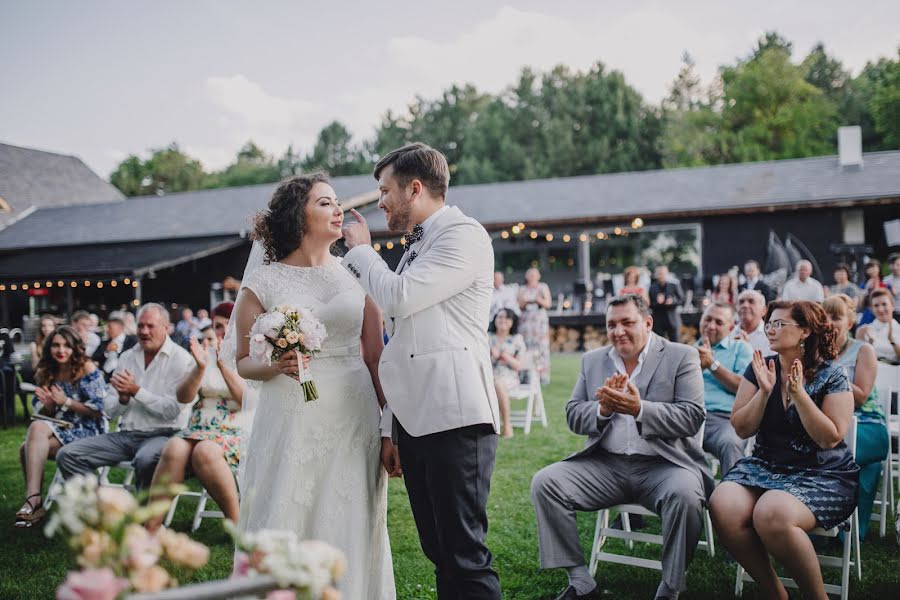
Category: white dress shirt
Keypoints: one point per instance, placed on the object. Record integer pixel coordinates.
(881, 341)
(757, 338)
(155, 406)
(809, 290)
(623, 436)
(112, 356)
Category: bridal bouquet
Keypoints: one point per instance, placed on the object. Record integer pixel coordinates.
(286, 328)
(104, 526)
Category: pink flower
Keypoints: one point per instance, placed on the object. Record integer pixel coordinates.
(91, 584)
(151, 579)
(143, 548)
(260, 350)
(241, 565)
(183, 550)
(282, 595)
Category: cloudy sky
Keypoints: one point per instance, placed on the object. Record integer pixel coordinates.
(104, 79)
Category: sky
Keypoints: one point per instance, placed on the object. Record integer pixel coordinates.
(105, 79)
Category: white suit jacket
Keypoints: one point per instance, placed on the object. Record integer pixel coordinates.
(436, 368)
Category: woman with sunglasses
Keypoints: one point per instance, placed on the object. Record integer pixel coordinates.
(801, 475)
(210, 445)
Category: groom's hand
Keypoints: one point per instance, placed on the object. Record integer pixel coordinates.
(356, 233)
(390, 458)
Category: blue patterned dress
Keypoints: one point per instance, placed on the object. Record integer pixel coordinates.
(89, 390)
(786, 458)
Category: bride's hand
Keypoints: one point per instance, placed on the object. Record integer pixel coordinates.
(289, 365)
(390, 458)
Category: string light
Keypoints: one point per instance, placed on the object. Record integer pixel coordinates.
(135, 302)
(533, 235)
(2, 288)
(134, 284)
(48, 284)
(521, 226)
(617, 231)
(549, 237)
(60, 283)
(37, 285)
(582, 238)
(637, 223)
(87, 283)
(126, 281)
(24, 286)
(389, 245)
(13, 287)
(567, 238)
(376, 247)
(516, 229)
(113, 283)
(99, 285)
(504, 234)
(74, 284)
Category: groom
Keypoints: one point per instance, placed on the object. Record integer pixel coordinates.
(436, 371)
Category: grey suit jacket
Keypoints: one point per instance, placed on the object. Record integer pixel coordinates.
(671, 388)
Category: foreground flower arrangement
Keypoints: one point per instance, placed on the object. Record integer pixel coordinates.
(104, 527)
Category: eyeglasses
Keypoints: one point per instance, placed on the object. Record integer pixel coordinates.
(778, 325)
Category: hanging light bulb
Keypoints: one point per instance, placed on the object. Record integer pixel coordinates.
(520, 225)
(87, 283)
(24, 286)
(549, 237)
(13, 287)
(637, 223)
(376, 247)
(113, 283)
(48, 284)
(74, 284)
(127, 281)
(567, 238)
(504, 234)
(533, 235)
(516, 229)
(582, 237)
(617, 231)
(60, 283)
(37, 285)
(2, 288)
(389, 245)
(134, 284)
(99, 285)
(403, 241)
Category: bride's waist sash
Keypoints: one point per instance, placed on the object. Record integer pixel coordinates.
(353, 350)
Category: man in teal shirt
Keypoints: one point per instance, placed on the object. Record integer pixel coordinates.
(723, 360)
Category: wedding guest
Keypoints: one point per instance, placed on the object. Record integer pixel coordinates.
(665, 298)
(801, 475)
(187, 327)
(803, 286)
(872, 443)
(142, 392)
(535, 301)
(203, 319)
(640, 402)
(872, 282)
(130, 322)
(751, 310)
(723, 360)
(504, 296)
(46, 326)
(69, 389)
(884, 332)
(508, 351)
(892, 281)
(81, 321)
(116, 342)
(632, 277)
(842, 283)
(752, 273)
(210, 445)
(726, 290)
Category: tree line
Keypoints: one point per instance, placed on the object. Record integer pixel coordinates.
(563, 123)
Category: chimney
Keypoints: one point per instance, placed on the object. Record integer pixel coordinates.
(850, 147)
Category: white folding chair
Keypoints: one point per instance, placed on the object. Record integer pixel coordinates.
(534, 400)
(887, 382)
(51, 491)
(849, 558)
(126, 482)
(884, 499)
(200, 513)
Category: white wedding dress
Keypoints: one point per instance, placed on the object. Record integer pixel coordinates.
(314, 467)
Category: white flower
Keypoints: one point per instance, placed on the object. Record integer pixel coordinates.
(292, 337)
(269, 322)
(260, 348)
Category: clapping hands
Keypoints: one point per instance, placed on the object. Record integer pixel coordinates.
(706, 354)
(795, 379)
(619, 395)
(765, 372)
(51, 396)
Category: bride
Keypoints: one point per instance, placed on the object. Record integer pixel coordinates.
(313, 467)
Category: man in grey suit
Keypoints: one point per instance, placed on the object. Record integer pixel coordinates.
(640, 402)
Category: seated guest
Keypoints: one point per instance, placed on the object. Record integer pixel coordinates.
(504, 296)
(723, 360)
(45, 328)
(507, 353)
(116, 342)
(203, 319)
(753, 273)
(801, 475)
(71, 389)
(804, 286)
(142, 393)
(843, 285)
(872, 282)
(640, 402)
(186, 328)
(82, 323)
(726, 290)
(751, 310)
(872, 443)
(210, 443)
(884, 332)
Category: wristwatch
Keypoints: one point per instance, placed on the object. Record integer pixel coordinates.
(714, 366)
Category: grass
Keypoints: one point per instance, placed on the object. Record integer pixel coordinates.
(31, 566)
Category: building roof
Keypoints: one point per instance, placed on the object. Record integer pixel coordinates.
(672, 193)
(225, 211)
(34, 178)
(129, 258)
(675, 193)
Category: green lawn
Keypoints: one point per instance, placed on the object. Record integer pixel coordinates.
(32, 566)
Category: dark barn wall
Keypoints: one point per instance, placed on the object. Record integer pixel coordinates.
(731, 240)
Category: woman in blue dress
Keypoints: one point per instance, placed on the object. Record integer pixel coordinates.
(802, 474)
(70, 389)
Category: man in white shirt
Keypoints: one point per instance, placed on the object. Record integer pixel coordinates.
(640, 402)
(803, 286)
(504, 296)
(142, 392)
(751, 310)
(117, 341)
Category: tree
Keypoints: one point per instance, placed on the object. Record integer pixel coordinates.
(335, 153)
(885, 104)
(167, 170)
(251, 167)
(129, 176)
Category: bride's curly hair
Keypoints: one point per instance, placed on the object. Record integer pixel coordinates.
(280, 228)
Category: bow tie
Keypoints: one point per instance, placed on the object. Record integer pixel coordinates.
(412, 257)
(415, 235)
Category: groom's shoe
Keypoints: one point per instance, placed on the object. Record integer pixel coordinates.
(570, 594)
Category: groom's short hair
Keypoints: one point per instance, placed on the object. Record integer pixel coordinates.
(418, 161)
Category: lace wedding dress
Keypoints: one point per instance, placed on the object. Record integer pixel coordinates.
(313, 467)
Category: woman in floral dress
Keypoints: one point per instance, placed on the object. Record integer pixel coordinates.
(507, 353)
(534, 325)
(210, 445)
(71, 389)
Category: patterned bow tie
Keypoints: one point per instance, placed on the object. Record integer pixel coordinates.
(412, 257)
(415, 235)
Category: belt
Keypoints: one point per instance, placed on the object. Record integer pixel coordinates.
(353, 350)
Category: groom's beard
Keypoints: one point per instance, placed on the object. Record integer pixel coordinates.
(400, 220)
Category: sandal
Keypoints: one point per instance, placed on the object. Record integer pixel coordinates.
(26, 517)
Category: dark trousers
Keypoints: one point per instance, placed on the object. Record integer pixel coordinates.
(448, 478)
(142, 448)
(666, 328)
